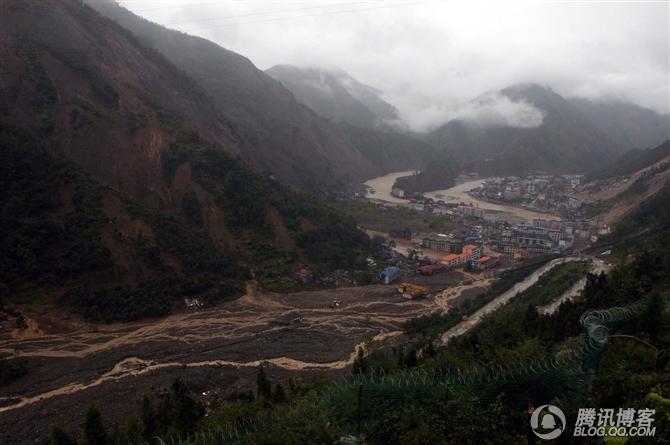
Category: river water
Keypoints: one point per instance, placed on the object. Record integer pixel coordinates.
(382, 186)
(459, 193)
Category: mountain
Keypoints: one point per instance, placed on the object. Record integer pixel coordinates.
(631, 126)
(119, 196)
(335, 95)
(636, 206)
(632, 161)
(258, 119)
(626, 185)
(563, 142)
(395, 148)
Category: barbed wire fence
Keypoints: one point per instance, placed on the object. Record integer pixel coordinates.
(360, 395)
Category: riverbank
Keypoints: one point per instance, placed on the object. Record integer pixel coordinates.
(461, 194)
(379, 188)
(383, 185)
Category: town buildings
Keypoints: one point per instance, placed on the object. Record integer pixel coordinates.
(405, 233)
(539, 191)
(398, 192)
(538, 236)
(470, 253)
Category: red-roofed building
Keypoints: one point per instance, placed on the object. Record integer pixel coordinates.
(451, 260)
(487, 262)
(471, 252)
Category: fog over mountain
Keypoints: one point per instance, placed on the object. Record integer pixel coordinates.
(430, 58)
(334, 94)
(497, 110)
(361, 221)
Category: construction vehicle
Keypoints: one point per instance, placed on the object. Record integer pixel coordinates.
(412, 291)
(430, 269)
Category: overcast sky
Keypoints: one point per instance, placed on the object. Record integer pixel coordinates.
(430, 57)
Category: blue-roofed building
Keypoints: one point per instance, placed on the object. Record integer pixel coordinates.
(389, 274)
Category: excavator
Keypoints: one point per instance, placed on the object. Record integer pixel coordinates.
(412, 291)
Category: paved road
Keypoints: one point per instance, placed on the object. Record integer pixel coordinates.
(597, 266)
(505, 297)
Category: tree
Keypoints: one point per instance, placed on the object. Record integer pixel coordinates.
(60, 437)
(279, 395)
(531, 319)
(411, 359)
(653, 318)
(360, 365)
(263, 385)
(187, 410)
(148, 419)
(94, 430)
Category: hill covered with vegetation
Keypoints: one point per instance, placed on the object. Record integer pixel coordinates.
(515, 359)
(116, 200)
(335, 95)
(260, 120)
(562, 142)
(437, 175)
(631, 161)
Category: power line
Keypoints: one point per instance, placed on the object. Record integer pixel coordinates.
(343, 11)
(189, 5)
(257, 13)
(192, 5)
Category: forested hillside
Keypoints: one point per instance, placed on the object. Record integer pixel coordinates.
(113, 200)
(515, 360)
(436, 176)
(563, 142)
(336, 95)
(628, 124)
(262, 122)
(631, 161)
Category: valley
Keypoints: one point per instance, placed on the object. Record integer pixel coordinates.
(217, 349)
(73, 362)
(382, 187)
(226, 237)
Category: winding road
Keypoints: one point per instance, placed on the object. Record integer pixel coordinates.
(464, 326)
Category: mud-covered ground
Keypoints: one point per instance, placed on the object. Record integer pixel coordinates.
(217, 350)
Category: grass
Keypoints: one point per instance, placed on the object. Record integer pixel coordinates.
(553, 284)
(382, 219)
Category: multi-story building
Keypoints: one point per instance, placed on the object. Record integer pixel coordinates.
(470, 253)
(442, 243)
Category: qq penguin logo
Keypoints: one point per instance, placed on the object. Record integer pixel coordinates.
(547, 422)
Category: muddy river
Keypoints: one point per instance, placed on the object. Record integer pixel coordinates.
(382, 186)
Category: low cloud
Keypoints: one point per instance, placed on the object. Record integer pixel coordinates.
(490, 110)
(496, 110)
(320, 85)
(430, 58)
